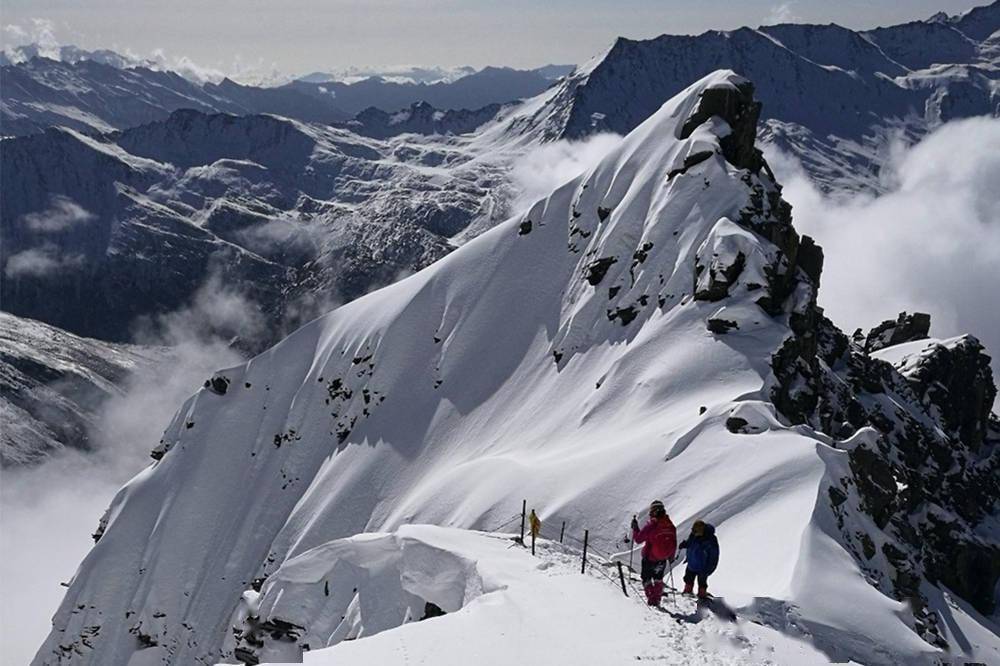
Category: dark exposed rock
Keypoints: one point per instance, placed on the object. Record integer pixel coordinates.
(929, 478)
(875, 483)
(810, 258)
(735, 424)
(721, 326)
(690, 161)
(596, 270)
(623, 315)
(602, 213)
(906, 328)
(957, 379)
(741, 111)
(432, 610)
(218, 384)
(524, 229)
(721, 277)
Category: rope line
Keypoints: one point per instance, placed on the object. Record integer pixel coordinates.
(598, 559)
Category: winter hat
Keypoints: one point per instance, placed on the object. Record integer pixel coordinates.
(656, 508)
(698, 527)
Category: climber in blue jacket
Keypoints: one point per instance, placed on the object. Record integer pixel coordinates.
(702, 557)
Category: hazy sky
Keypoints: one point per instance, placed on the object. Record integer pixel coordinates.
(305, 35)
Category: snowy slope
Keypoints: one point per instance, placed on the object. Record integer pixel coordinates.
(632, 335)
(502, 604)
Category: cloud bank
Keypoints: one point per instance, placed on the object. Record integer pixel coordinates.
(542, 169)
(49, 512)
(931, 243)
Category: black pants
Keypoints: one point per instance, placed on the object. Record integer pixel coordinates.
(653, 570)
(689, 577)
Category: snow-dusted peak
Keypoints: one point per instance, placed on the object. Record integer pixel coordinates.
(647, 326)
(532, 344)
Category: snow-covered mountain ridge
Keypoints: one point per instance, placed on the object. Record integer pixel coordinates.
(649, 325)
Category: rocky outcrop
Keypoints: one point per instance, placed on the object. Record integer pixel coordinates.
(955, 377)
(741, 112)
(906, 328)
(921, 445)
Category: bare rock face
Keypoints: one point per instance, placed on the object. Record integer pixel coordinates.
(956, 378)
(741, 112)
(921, 462)
(906, 328)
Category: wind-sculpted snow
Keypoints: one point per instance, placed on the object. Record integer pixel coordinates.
(649, 329)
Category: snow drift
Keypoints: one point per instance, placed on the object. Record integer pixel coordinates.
(647, 330)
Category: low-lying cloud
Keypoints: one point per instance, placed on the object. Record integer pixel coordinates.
(931, 243)
(541, 170)
(62, 213)
(49, 511)
(44, 260)
(45, 257)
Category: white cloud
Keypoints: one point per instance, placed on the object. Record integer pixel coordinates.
(41, 261)
(40, 33)
(50, 511)
(931, 243)
(16, 33)
(781, 13)
(541, 170)
(61, 214)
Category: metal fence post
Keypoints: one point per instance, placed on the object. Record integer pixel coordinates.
(621, 577)
(562, 530)
(524, 510)
(586, 538)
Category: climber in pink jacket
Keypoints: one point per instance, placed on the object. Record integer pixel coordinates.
(659, 539)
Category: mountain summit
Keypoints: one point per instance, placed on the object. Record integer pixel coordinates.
(649, 329)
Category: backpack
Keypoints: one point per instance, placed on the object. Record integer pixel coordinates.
(663, 545)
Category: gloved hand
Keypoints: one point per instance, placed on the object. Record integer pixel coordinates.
(635, 525)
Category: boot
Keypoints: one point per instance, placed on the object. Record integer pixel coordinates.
(703, 591)
(650, 591)
(688, 588)
(657, 592)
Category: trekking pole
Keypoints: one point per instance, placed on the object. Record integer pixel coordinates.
(673, 588)
(631, 551)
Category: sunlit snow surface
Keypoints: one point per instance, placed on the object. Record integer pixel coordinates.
(502, 605)
(499, 373)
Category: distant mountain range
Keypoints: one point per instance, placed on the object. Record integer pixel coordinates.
(102, 91)
(831, 96)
